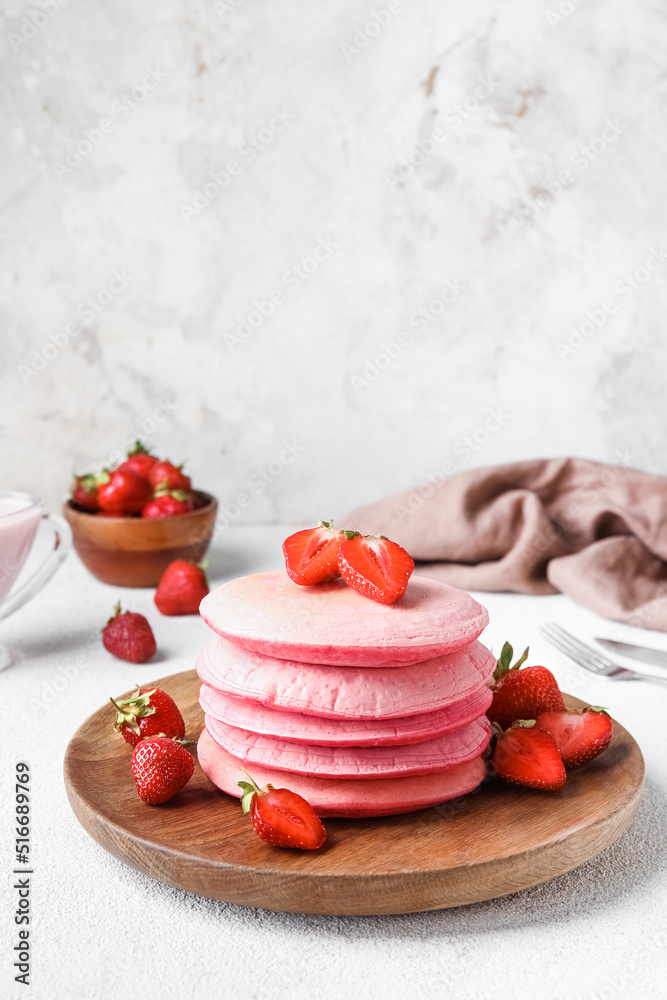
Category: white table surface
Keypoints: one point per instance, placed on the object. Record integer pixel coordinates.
(597, 932)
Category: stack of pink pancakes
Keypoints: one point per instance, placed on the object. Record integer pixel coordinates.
(363, 709)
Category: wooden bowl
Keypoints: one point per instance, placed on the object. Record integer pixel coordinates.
(135, 551)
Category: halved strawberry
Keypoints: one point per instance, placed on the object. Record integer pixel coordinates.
(281, 817)
(375, 566)
(579, 736)
(310, 555)
(525, 755)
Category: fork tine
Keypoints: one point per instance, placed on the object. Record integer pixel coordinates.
(570, 650)
(585, 650)
(578, 653)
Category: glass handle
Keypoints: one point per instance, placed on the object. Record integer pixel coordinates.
(62, 543)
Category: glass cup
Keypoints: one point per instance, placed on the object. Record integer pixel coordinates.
(20, 517)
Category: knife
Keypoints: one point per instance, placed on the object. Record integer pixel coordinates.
(645, 654)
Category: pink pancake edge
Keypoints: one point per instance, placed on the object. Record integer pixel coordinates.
(341, 692)
(353, 763)
(341, 797)
(301, 728)
(332, 624)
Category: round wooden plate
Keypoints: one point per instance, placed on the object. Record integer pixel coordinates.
(490, 843)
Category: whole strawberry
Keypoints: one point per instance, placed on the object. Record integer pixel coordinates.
(129, 636)
(182, 588)
(525, 755)
(148, 713)
(161, 767)
(165, 475)
(84, 492)
(123, 492)
(168, 504)
(521, 694)
(282, 817)
(140, 460)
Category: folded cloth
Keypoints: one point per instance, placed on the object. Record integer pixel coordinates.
(595, 532)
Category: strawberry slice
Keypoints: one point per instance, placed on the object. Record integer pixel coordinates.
(281, 817)
(375, 566)
(310, 555)
(528, 756)
(579, 736)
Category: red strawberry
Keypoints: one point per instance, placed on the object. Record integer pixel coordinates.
(521, 694)
(167, 505)
(139, 460)
(281, 817)
(311, 555)
(123, 492)
(84, 492)
(579, 736)
(148, 713)
(525, 755)
(374, 566)
(165, 475)
(129, 636)
(161, 767)
(182, 588)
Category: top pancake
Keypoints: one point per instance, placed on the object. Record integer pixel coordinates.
(333, 624)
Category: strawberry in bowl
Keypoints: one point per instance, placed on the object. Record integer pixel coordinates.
(130, 522)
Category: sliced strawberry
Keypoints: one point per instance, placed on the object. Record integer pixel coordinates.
(526, 755)
(376, 567)
(521, 693)
(579, 736)
(281, 817)
(310, 555)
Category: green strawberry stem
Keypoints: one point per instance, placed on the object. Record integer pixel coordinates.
(250, 789)
(139, 449)
(503, 665)
(127, 709)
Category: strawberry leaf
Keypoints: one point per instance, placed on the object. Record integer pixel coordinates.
(503, 665)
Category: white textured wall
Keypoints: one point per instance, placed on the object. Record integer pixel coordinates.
(163, 349)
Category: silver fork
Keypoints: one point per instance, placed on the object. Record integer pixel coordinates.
(589, 658)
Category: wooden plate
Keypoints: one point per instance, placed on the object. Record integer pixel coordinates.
(493, 842)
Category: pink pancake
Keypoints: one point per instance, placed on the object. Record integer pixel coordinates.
(332, 623)
(353, 762)
(339, 797)
(345, 692)
(301, 728)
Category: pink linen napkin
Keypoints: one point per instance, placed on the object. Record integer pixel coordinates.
(595, 532)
